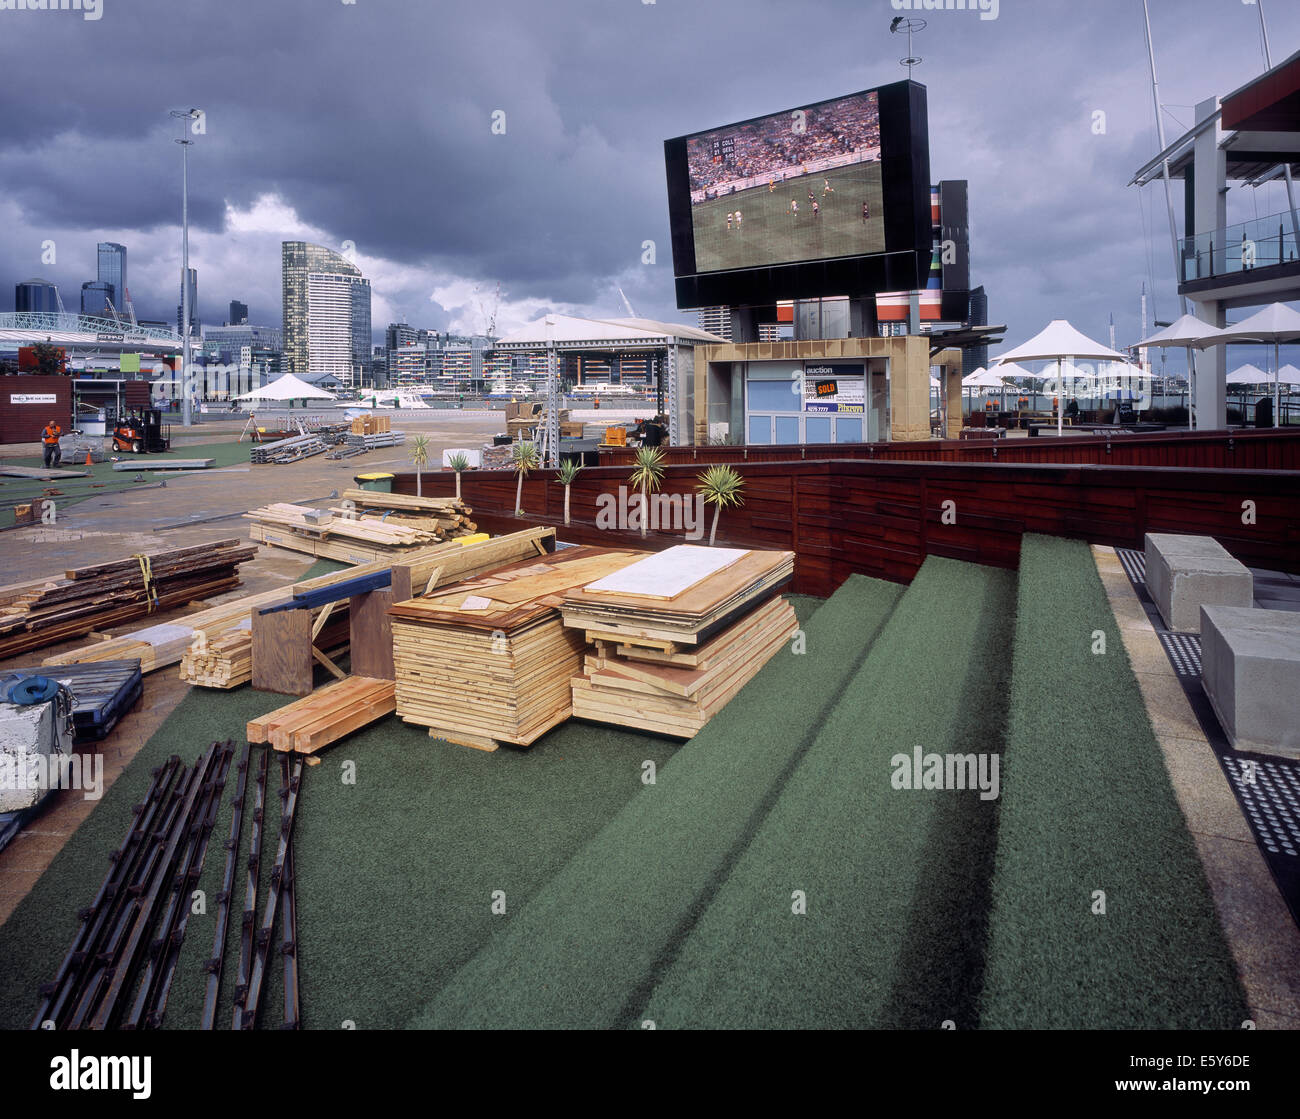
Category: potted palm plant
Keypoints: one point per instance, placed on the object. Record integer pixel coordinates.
(719, 486)
(523, 458)
(568, 471)
(647, 475)
(419, 456)
(459, 462)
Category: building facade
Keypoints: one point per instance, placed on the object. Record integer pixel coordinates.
(326, 314)
(36, 295)
(112, 271)
(96, 298)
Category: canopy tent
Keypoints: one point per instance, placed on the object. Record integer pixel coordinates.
(1288, 375)
(1187, 330)
(1246, 375)
(1060, 342)
(287, 388)
(1276, 323)
(983, 379)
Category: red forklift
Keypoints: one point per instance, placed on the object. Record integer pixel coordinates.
(141, 432)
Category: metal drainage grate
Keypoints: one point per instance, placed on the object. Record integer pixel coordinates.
(1270, 792)
(1135, 564)
(1184, 652)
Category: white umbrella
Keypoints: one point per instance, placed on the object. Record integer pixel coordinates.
(1059, 342)
(1276, 323)
(1246, 375)
(1185, 331)
(1288, 375)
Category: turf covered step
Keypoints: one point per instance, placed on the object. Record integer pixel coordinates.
(586, 947)
(1088, 808)
(859, 902)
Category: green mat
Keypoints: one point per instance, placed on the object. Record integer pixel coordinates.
(893, 879)
(583, 952)
(1088, 806)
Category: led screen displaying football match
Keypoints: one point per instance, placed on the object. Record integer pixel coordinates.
(802, 185)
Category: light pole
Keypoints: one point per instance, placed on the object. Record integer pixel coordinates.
(187, 417)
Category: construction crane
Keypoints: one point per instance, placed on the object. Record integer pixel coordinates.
(626, 303)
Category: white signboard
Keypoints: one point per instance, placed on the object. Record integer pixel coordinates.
(33, 398)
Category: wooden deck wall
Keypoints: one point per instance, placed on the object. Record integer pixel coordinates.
(884, 518)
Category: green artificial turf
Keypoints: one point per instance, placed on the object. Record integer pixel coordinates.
(585, 950)
(395, 872)
(1088, 806)
(894, 879)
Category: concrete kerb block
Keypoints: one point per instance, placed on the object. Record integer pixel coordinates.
(1250, 669)
(1185, 573)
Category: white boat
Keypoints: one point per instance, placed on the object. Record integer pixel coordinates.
(384, 400)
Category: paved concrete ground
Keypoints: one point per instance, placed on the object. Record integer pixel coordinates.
(1263, 937)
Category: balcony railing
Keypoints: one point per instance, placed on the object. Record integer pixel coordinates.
(1240, 248)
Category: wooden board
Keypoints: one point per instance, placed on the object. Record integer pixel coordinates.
(325, 716)
(282, 652)
(667, 574)
(372, 635)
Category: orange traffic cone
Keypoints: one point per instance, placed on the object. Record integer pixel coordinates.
(89, 461)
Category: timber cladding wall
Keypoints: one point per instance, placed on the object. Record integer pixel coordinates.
(884, 518)
(27, 404)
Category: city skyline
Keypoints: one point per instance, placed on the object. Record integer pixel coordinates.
(558, 205)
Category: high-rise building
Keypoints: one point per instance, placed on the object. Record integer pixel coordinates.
(716, 320)
(326, 313)
(196, 325)
(238, 313)
(976, 357)
(96, 297)
(112, 271)
(36, 295)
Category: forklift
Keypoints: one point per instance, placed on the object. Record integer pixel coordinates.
(141, 432)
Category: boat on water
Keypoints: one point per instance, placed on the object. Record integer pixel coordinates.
(386, 400)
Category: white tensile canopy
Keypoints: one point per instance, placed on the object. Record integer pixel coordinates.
(1276, 323)
(1246, 375)
(1060, 342)
(287, 387)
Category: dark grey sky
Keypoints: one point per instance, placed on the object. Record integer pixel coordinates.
(370, 122)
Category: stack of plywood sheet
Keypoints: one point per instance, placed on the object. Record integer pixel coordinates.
(677, 635)
(490, 661)
(325, 716)
(678, 693)
(681, 596)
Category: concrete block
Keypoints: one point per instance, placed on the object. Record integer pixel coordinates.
(1250, 669)
(1185, 573)
(30, 738)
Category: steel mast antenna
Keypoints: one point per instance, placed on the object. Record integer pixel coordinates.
(911, 26)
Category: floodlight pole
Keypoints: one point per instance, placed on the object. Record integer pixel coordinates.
(187, 415)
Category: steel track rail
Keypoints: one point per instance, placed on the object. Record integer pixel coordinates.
(214, 963)
(249, 917)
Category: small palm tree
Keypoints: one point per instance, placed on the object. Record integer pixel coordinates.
(459, 462)
(569, 469)
(648, 475)
(719, 486)
(419, 456)
(523, 458)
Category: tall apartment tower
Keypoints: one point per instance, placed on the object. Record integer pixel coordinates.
(326, 313)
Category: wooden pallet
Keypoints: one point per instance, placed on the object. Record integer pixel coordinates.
(325, 716)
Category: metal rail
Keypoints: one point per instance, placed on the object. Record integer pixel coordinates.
(290, 782)
(213, 965)
(289, 945)
(250, 893)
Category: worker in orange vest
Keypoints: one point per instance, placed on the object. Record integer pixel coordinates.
(50, 437)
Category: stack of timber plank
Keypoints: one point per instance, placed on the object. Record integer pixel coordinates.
(88, 598)
(325, 716)
(378, 439)
(491, 660)
(447, 517)
(675, 637)
(224, 660)
(341, 534)
(163, 645)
